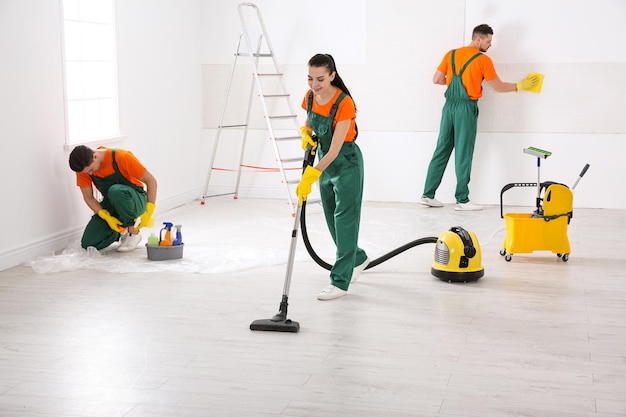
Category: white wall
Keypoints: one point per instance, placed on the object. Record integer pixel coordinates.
(159, 53)
(580, 114)
(174, 61)
(160, 84)
(36, 194)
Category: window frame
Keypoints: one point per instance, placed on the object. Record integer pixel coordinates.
(114, 134)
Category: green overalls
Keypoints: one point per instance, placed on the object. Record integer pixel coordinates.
(341, 191)
(123, 199)
(459, 120)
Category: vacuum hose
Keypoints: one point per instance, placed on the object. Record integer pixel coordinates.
(375, 262)
(309, 158)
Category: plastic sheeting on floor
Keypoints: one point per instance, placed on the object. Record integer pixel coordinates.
(227, 235)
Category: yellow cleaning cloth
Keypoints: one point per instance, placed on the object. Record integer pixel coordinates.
(537, 88)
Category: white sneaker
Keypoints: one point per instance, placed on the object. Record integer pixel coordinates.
(469, 206)
(358, 269)
(431, 202)
(129, 242)
(330, 293)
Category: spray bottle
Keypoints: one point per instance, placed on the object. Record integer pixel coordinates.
(167, 240)
(179, 236)
(153, 240)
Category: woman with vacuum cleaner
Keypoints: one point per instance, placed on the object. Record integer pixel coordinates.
(331, 115)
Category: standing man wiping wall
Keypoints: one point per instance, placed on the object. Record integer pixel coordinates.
(463, 71)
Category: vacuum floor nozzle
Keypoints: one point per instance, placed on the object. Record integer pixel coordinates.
(269, 325)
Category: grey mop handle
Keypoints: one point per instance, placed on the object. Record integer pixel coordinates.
(580, 176)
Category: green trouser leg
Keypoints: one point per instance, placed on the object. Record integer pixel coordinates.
(98, 234)
(124, 203)
(341, 190)
(459, 121)
(464, 141)
(127, 203)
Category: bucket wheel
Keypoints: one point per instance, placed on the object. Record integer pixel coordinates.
(564, 256)
(507, 257)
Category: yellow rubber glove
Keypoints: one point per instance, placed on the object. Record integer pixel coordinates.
(307, 139)
(113, 223)
(309, 176)
(146, 218)
(528, 83)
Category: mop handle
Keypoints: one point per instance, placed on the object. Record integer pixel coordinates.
(538, 199)
(580, 176)
(540, 154)
(538, 177)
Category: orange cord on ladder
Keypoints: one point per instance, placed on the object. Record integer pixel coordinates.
(253, 168)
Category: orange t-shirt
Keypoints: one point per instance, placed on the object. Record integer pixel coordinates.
(128, 165)
(345, 111)
(480, 68)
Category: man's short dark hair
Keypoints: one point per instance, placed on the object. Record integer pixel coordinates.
(482, 31)
(80, 158)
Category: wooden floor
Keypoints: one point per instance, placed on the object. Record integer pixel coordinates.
(535, 337)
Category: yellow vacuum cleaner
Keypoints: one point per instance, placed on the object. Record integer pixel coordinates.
(457, 256)
(457, 259)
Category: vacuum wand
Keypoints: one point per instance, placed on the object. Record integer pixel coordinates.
(279, 322)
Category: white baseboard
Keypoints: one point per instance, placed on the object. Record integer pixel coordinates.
(46, 245)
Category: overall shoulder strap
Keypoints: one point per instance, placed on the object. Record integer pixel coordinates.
(115, 168)
(453, 65)
(469, 61)
(333, 112)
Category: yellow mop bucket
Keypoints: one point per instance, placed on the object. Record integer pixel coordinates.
(528, 232)
(546, 228)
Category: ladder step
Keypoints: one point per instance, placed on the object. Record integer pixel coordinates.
(295, 159)
(289, 116)
(216, 195)
(265, 55)
(227, 126)
(287, 138)
(276, 95)
(269, 74)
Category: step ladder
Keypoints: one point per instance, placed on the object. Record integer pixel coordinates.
(267, 80)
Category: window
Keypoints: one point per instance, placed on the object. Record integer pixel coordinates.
(90, 70)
